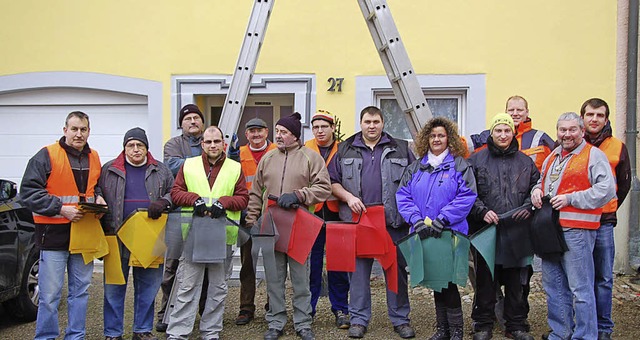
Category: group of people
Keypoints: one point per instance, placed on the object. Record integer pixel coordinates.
(514, 174)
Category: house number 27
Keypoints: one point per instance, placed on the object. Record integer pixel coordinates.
(336, 84)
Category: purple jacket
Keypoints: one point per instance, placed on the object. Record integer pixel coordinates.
(446, 192)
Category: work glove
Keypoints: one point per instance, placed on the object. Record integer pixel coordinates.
(436, 228)
(288, 200)
(217, 210)
(521, 215)
(243, 218)
(234, 151)
(422, 229)
(199, 207)
(156, 208)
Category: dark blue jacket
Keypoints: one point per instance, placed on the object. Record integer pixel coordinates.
(446, 192)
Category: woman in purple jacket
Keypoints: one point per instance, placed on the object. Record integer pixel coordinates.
(439, 187)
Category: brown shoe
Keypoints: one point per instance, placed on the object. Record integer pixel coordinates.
(144, 336)
(244, 317)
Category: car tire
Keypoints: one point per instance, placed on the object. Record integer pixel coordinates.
(25, 305)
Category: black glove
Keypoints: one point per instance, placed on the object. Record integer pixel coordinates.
(217, 210)
(422, 229)
(521, 215)
(436, 228)
(156, 208)
(243, 219)
(199, 207)
(288, 200)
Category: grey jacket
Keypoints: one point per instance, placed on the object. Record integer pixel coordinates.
(179, 148)
(396, 155)
(158, 181)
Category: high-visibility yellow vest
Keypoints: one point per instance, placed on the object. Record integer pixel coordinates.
(196, 180)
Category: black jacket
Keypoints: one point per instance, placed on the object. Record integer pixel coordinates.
(504, 179)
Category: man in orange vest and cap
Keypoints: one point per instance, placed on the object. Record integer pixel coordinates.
(256, 131)
(56, 179)
(577, 181)
(324, 142)
(595, 113)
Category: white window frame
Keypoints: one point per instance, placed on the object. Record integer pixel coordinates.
(472, 87)
(185, 88)
(457, 94)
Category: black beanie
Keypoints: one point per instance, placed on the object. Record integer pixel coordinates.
(190, 108)
(137, 134)
(292, 123)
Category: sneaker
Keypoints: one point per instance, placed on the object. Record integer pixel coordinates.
(244, 317)
(405, 331)
(161, 327)
(272, 334)
(519, 335)
(357, 331)
(342, 320)
(306, 334)
(144, 336)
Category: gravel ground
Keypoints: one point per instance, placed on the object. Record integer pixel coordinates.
(625, 310)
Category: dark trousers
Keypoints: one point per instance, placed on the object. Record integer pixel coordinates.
(515, 306)
(247, 279)
(168, 277)
(449, 297)
(338, 282)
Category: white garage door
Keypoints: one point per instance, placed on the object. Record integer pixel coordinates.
(31, 119)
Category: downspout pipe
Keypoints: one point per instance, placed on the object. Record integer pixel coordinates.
(631, 131)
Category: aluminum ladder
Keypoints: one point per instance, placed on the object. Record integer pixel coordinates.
(396, 63)
(246, 65)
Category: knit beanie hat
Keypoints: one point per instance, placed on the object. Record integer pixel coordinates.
(292, 123)
(502, 118)
(323, 115)
(190, 108)
(137, 134)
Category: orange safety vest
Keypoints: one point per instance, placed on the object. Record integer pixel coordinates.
(249, 164)
(612, 147)
(62, 184)
(533, 149)
(575, 178)
(332, 202)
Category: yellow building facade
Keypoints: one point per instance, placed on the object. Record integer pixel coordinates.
(135, 63)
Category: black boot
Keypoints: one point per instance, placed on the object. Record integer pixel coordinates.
(442, 324)
(456, 323)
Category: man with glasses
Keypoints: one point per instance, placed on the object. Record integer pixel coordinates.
(133, 180)
(325, 143)
(218, 180)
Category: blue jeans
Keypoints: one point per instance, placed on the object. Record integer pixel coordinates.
(146, 283)
(50, 280)
(338, 281)
(569, 283)
(603, 254)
